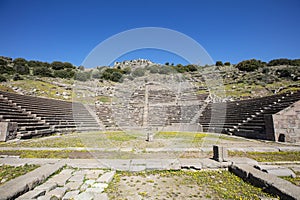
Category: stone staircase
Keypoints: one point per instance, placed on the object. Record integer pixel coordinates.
(246, 117)
(41, 116)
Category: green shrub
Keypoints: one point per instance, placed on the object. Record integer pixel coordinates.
(17, 77)
(227, 63)
(3, 62)
(219, 63)
(64, 73)
(139, 72)
(82, 76)
(42, 71)
(284, 61)
(153, 69)
(6, 70)
(2, 78)
(116, 76)
(166, 70)
(20, 61)
(250, 65)
(21, 69)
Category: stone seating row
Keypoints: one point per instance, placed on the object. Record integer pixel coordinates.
(245, 117)
(55, 115)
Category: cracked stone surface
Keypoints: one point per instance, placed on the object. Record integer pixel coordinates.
(83, 184)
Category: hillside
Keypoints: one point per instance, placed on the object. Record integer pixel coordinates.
(62, 80)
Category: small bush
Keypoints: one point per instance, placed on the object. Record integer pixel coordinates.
(227, 63)
(250, 65)
(21, 69)
(219, 63)
(17, 77)
(82, 76)
(139, 72)
(42, 71)
(2, 78)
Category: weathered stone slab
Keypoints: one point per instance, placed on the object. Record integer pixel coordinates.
(47, 186)
(284, 189)
(243, 160)
(106, 177)
(58, 192)
(102, 196)
(84, 196)
(73, 185)
(61, 178)
(137, 168)
(93, 174)
(77, 178)
(276, 170)
(89, 182)
(95, 190)
(22, 184)
(32, 194)
(70, 195)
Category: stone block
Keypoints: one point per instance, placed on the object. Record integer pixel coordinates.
(77, 178)
(32, 194)
(241, 170)
(102, 196)
(47, 186)
(220, 153)
(73, 185)
(106, 177)
(58, 193)
(280, 171)
(85, 196)
(18, 186)
(8, 131)
(70, 195)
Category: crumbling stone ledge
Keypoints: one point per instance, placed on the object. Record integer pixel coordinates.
(22, 184)
(270, 183)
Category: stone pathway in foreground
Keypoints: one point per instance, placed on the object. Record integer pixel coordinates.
(70, 183)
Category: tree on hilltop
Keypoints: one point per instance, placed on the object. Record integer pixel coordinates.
(219, 63)
(250, 65)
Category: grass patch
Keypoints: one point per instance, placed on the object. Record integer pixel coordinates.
(47, 154)
(42, 88)
(70, 140)
(219, 184)
(104, 99)
(6, 89)
(295, 181)
(119, 136)
(73, 140)
(268, 156)
(8, 172)
(176, 134)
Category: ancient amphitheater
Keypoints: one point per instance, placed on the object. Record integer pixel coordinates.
(152, 110)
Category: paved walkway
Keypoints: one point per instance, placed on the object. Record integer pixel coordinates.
(175, 149)
(84, 178)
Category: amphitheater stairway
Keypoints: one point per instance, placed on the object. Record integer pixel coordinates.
(246, 117)
(49, 115)
(255, 126)
(84, 119)
(27, 124)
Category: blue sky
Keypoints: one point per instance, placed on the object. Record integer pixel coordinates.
(229, 30)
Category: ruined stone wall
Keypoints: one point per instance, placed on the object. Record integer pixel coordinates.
(287, 124)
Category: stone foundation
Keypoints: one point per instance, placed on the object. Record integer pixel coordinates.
(8, 131)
